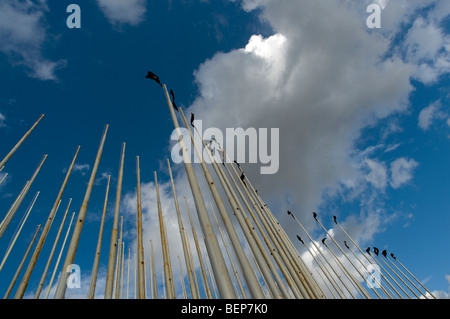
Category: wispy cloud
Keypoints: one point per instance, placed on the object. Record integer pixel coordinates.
(119, 12)
(23, 32)
(401, 171)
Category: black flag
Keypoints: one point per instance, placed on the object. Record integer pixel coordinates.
(289, 213)
(368, 250)
(384, 253)
(375, 250)
(242, 179)
(334, 218)
(315, 215)
(392, 255)
(323, 241)
(150, 75)
(345, 243)
(299, 238)
(192, 119)
(173, 100)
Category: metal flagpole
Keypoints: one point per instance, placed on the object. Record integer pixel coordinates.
(319, 263)
(382, 274)
(118, 261)
(404, 275)
(72, 249)
(360, 250)
(20, 229)
(52, 252)
(182, 279)
(395, 258)
(140, 244)
(14, 149)
(93, 283)
(165, 247)
(199, 254)
(218, 264)
(229, 254)
(373, 277)
(19, 269)
(393, 271)
(321, 254)
(252, 282)
(5, 223)
(183, 237)
(155, 286)
(390, 276)
(363, 291)
(23, 285)
(59, 257)
(109, 286)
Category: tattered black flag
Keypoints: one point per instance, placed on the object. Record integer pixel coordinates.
(239, 166)
(152, 76)
(384, 253)
(345, 243)
(334, 218)
(299, 238)
(173, 100)
(242, 179)
(323, 241)
(192, 119)
(375, 250)
(315, 215)
(368, 250)
(392, 255)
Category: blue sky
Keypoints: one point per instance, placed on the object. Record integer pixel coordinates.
(363, 114)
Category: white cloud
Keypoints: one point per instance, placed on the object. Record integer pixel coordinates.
(401, 171)
(23, 33)
(378, 173)
(427, 115)
(120, 12)
(2, 120)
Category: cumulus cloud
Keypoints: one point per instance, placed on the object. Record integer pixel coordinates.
(401, 171)
(23, 32)
(119, 12)
(429, 114)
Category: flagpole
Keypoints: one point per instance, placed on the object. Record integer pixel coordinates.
(14, 149)
(155, 286)
(7, 220)
(182, 279)
(23, 285)
(166, 256)
(191, 257)
(72, 249)
(128, 272)
(396, 259)
(118, 261)
(93, 282)
(52, 252)
(19, 268)
(8, 214)
(199, 254)
(109, 286)
(407, 277)
(183, 237)
(140, 244)
(3, 178)
(19, 231)
(218, 264)
(252, 282)
(330, 280)
(59, 257)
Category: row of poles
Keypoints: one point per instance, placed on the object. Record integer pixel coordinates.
(271, 267)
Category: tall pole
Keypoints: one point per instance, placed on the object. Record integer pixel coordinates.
(218, 264)
(19, 269)
(199, 253)
(155, 286)
(140, 244)
(165, 248)
(72, 249)
(23, 285)
(109, 286)
(52, 252)
(252, 282)
(183, 237)
(118, 261)
(3, 178)
(93, 283)
(396, 259)
(6, 219)
(20, 229)
(14, 149)
(59, 257)
(5, 223)
(182, 279)
(128, 272)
